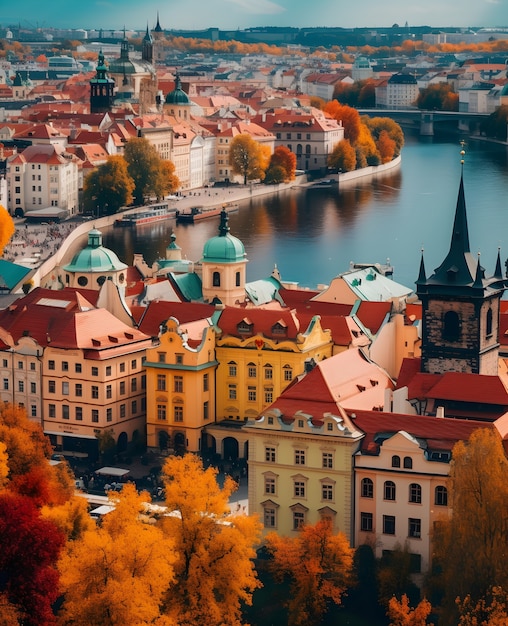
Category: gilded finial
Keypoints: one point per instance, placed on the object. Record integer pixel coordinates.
(462, 152)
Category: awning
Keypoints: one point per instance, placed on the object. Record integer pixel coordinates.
(76, 435)
(112, 471)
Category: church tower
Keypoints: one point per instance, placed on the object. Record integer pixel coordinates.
(460, 307)
(102, 88)
(147, 47)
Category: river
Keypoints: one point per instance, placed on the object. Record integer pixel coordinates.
(312, 235)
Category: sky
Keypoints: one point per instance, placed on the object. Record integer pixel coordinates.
(241, 14)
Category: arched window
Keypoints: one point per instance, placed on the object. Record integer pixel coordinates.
(216, 279)
(441, 496)
(367, 488)
(408, 462)
(488, 329)
(307, 150)
(389, 490)
(237, 279)
(451, 326)
(415, 493)
(395, 460)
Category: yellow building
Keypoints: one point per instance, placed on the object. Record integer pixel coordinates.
(180, 385)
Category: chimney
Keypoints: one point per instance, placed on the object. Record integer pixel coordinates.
(440, 411)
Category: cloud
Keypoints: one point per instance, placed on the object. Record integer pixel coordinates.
(261, 7)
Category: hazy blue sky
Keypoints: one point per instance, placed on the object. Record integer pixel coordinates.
(232, 14)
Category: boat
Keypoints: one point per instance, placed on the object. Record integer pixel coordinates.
(197, 213)
(325, 183)
(147, 215)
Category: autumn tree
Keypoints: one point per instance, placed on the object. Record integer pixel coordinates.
(394, 575)
(245, 157)
(400, 612)
(439, 97)
(474, 541)
(343, 157)
(318, 564)
(283, 158)
(385, 147)
(360, 94)
(366, 149)
(377, 125)
(116, 575)
(214, 568)
(7, 228)
(29, 549)
(166, 182)
(143, 165)
(349, 117)
(491, 610)
(108, 188)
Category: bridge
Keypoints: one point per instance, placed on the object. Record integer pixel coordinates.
(425, 120)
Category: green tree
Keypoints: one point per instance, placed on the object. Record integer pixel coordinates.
(342, 157)
(439, 97)
(319, 565)
(496, 124)
(474, 541)
(275, 174)
(394, 576)
(246, 157)
(143, 165)
(108, 188)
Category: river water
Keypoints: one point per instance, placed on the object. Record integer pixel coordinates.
(312, 235)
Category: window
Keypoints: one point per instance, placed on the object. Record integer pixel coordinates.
(489, 323)
(122, 410)
(441, 496)
(288, 373)
(299, 457)
(366, 522)
(268, 372)
(78, 414)
(95, 392)
(326, 491)
(205, 382)
(134, 407)
(178, 384)
(33, 387)
(237, 279)
(232, 369)
(122, 387)
(451, 326)
(51, 386)
(134, 364)
(51, 365)
(109, 414)
(395, 460)
(216, 279)
(6, 384)
(108, 370)
(161, 412)
(251, 394)
(179, 359)
(408, 462)
(178, 413)
(299, 488)
(270, 455)
(232, 392)
(77, 368)
(205, 410)
(269, 517)
(65, 411)
(415, 493)
(95, 416)
(109, 392)
(268, 395)
(78, 390)
(270, 484)
(367, 488)
(33, 410)
(32, 366)
(414, 527)
(65, 366)
(327, 460)
(65, 388)
(52, 410)
(389, 524)
(134, 385)
(161, 382)
(5, 362)
(298, 519)
(95, 371)
(251, 370)
(389, 490)
(21, 386)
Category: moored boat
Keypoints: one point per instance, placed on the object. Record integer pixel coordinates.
(147, 215)
(195, 214)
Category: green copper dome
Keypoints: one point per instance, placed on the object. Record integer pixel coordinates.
(224, 248)
(178, 95)
(95, 258)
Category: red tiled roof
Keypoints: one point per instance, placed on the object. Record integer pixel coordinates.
(466, 387)
(373, 314)
(158, 312)
(262, 320)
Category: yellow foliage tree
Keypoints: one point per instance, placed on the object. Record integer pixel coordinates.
(248, 158)
(4, 467)
(214, 568)
(71, 517)
(319, 565)
(489, 611)
(343, 157)
(401, 614)
(116, 575)
(7, 228)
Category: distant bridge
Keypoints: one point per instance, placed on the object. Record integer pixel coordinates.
(468, 122)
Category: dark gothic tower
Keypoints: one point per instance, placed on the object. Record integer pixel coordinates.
(102, 88)
(460, 307)
(147, 47)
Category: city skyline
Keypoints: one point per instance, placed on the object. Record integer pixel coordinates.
(241, 14)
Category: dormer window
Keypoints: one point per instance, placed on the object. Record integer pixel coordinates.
(279, 329)
(245, 327)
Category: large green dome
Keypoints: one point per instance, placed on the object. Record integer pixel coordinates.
(224, 248)
(178, 95)
(95, 258)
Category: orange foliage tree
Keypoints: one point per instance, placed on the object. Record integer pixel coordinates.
(401, 614)
(349, 117)
(343, 157)
(319, 565)
(489, 611)
(248, 158)
(215, 549)
(7, 228)
(283, 157)
(385, 146)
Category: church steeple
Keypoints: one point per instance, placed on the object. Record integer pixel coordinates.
(147, 47)
(460, 305)
(102, 88)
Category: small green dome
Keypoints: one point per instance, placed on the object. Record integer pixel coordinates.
(224, 248)
(95, 258)
(178, 95)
